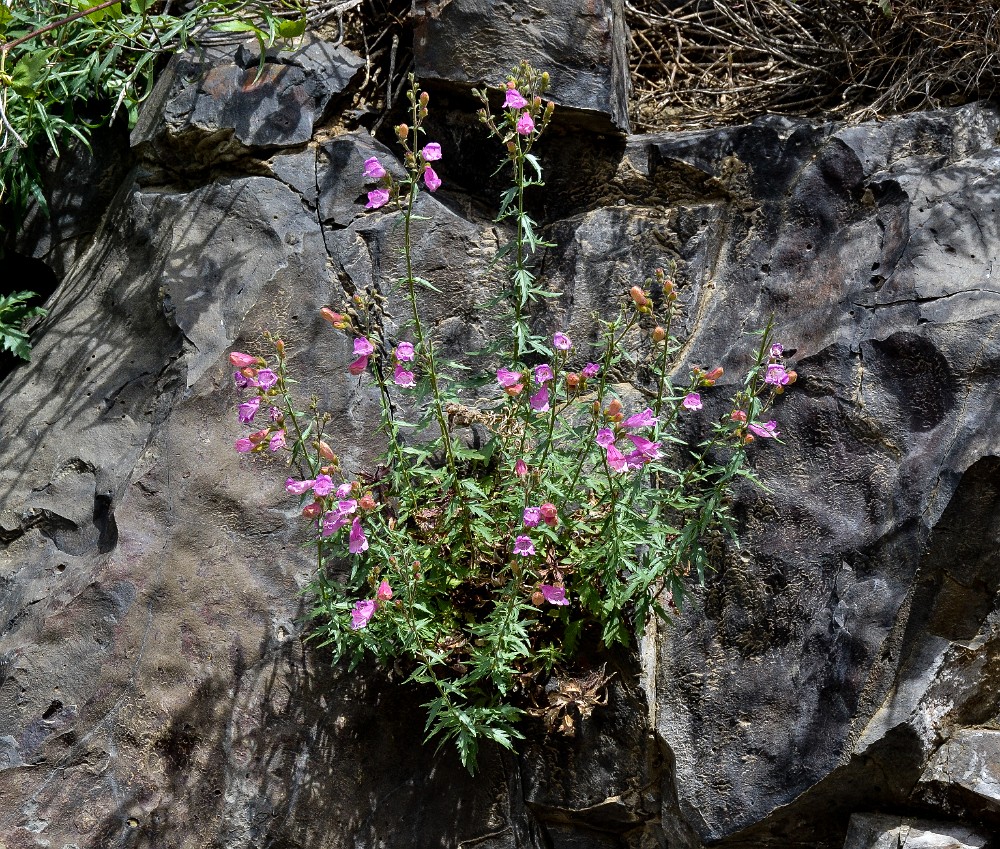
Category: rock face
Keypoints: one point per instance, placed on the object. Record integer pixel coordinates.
(836, 677)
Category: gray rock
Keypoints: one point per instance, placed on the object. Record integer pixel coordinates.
(966, 769)
(878, 831)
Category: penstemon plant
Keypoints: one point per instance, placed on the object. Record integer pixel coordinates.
(485, 571)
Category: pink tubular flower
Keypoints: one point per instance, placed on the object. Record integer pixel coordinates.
(277, 440)
(295, 487)
(643, 419)
(362, 347)
(554, 595)
(562, 341)
(431, 152)
(543, 373)
(384, 591)
(241, 360)
(616, 459)
(605, 437)
(532, 516)
(540, 400)
(404, 352)
(266, 378)
(431, 179)
(402, 377)
(550, 515)
(524, 546)
(362, 614)
(344, 490)
(764, 431)
(358, 366)
(591, 370)
(776, 375)
(520, 468)
(347, 507)
(248, 410)
(374, 169)
(358, 541)
(506, 377)
(333, 522)
(243, 445)
(692, 401)
(377, 198)
(513, 100)
(525, 126)
(648, 449)
(323, 485)
(777, 349)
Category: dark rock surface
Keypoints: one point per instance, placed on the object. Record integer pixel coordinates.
(837, 678)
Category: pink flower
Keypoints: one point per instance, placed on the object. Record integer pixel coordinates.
(550, 515)
(513, 100)
(591, 370)
(277, 440)
(431, 179)
(377, 198)
(431, 152)
(323, 485)
(520, 468)
(362, 347)
(242, 381)
(333, 522)
(616, 459)
(692, 401)
(404, 352)
(362, 614)
(248, 410)
(384, 591)
(777, 349)
(358, 541)
(649, 450)
(241, 360)
(540, 400)
(524, 546)
(266, 378)
(244, 445)
(358, 366)
(543, 373)
(562, 341)
(295, 487)
(643, 419)
(344, 490)
(525, 126)
(635, 459)
(765, 431)
(506, 377)
(776, 375)
(605, 437)
(402, 377)
(347, 507)
(374, 169)
(554, 595)
(532, 516)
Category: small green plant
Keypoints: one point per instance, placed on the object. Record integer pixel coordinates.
(14, 313)
(516, 530)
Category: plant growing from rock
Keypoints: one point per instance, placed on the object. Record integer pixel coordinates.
(483, 566)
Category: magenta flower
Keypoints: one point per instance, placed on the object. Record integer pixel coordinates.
(404, 352)
(692, 401)
(643, 419)
(605, 437)
(266, 378)
(554, 595)
(347, 507)
(431, 152)
(242, 381)
(764, 431)
(506, 377)
(543, 373)
(616, 459)
(532, 516)
(776, 375)
(244, 445)
(562, 341)
(777, 349)
(648, 449)
(344, 490)
(323, 485)
(513, 100)
(402, 377)
(295, 487)
(362, 614)
(384, 591)
(431, 179)
(520, 468)
(333, 522)
(358, 366)
(241, 360)
(525, 126)
(635, 459)
(377, 198)
(591, 370)
(277, 440)
(248, 410)
(374, 169)
(524, 546)
(358, 541)
(540, 400)
(362, 347)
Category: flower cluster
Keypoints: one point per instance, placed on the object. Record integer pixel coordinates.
(252, 375)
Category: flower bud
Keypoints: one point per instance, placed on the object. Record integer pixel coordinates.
(715, 373)
(638, 296)
(249, 373)
(792, 377)
(402, 131)
(738, 416)
(748, 439)
(537, 598)
(279, 347)
(659, 334)
(550, 107)
(514, 390)
(366, 502)
(325, 451)
(257, 436)
(545, 78)
(312, 511)
(335, 318)
(614, 410)
(521, 468)
(536, 101)
(424, 98)
(241, 360)
(549, 514)
(572, 379)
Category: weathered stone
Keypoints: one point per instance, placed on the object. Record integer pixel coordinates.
(878, 831)
(583, 46)
(966, 770)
